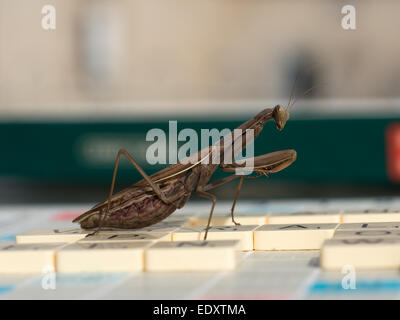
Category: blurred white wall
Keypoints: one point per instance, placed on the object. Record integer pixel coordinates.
(123, 52)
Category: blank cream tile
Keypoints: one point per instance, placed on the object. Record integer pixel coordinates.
(368, 233)
(52, 235)
(366, 253)
(227, 220)
(250, 220)
(242, 233)
(216, 221)
(292, 236)
(189, 233)
(123, 236)
(169, 223)
(192, 256)
(303, 217)
(157, 229)
(369, 225)
(27, 258)
(102, 257)
(373, 215)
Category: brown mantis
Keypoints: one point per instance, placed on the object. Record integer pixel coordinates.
(157, 196)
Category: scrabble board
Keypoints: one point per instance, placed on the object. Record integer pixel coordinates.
(288, 249)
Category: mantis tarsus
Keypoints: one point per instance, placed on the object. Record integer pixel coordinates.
(155, 197)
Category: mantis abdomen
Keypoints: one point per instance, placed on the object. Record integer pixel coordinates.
(145, 208)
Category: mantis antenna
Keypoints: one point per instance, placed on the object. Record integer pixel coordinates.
(302, 96)
(291, 93)
(289, 106)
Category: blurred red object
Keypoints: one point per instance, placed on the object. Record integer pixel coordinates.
(393, 152)
(66, 215)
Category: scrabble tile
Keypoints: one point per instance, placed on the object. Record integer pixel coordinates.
(369, 225)
(27, 258)
(368, 233)
(169, 223)
(292, 236)
(102, 257)
(301, 217)
(227, 220)
(361, 253)
(248, 220)
(373, 215)
(158, 229)
(52, 235)
(123, 236)
(189, 233)
(242, 233)
(202, 221)
(192, 256)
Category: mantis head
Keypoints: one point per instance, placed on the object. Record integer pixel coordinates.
(280, 115)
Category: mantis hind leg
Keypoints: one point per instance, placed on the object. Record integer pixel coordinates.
(155, 188)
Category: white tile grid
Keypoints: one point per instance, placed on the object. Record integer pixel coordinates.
(260, 275)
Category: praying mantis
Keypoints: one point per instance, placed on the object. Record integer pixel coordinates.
(155, 197)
